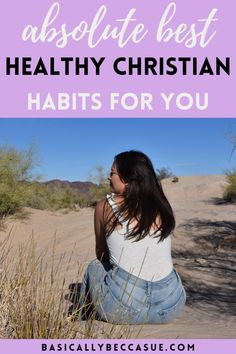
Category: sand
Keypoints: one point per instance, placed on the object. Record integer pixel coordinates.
(204, 249)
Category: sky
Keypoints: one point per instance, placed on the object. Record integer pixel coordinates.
(70, 149)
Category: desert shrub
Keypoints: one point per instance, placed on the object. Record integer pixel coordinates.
(97, 192)
(11, 199)
(42, 196)
(230, 190)
(163, 173)
(101, 186)
(83, 200)
(32, 295)
(16, 168)
(37, 196)
(33, 301)
(64, 198)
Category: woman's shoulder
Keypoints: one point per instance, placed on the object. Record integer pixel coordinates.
(102, 207)
(100, 204)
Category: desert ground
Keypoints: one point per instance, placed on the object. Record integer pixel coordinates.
(204, 249)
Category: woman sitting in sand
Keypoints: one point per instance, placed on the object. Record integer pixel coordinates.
(133, 280)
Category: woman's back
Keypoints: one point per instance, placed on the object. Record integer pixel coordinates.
(147, 259)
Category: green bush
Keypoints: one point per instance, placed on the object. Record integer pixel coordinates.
(42, 196)
(15, 171)
(37, 196)
(230, 190)
(62, 198)
(11, 199)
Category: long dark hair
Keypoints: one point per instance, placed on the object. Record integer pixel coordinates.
(144, 199)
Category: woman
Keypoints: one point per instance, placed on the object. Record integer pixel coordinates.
(133, 280)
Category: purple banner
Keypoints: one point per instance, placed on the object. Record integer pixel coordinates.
(117, 59)
(118, 346)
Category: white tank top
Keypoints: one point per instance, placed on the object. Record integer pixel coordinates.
(147, 259)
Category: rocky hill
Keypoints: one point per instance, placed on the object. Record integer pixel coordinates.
(81, 187)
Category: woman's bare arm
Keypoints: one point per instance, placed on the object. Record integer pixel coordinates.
(102, 252)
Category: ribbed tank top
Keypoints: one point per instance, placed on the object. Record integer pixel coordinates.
(147, 259)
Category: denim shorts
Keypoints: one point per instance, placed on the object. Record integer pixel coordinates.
(121, 298)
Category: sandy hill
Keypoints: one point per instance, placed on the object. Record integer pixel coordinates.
(204, 250)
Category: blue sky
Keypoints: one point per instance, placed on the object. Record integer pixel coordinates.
(69, 149)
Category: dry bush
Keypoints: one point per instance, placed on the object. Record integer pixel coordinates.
(101, 186)
(163, 173)
(32, 297)
(230, 190)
